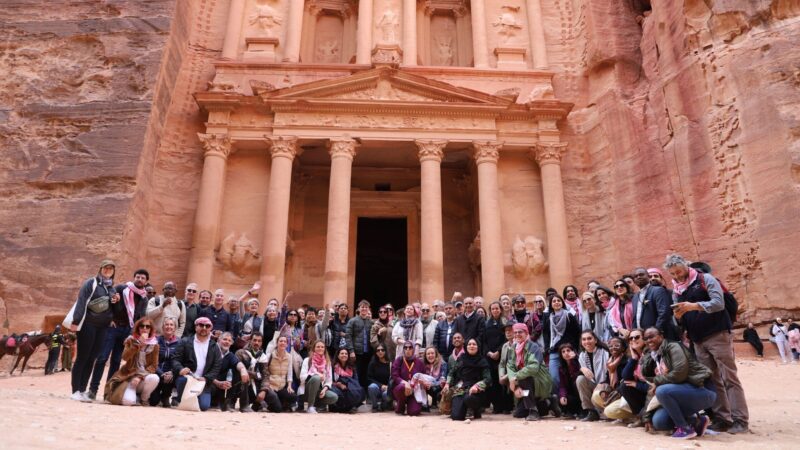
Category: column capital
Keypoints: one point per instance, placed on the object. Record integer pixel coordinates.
(548, 152)
(282, 146)
(430, 150)
(486, 151)
(342, 148)
(215, 144)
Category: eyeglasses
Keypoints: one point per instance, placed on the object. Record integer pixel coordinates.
(205, 298)
(383, 311)
(202, 325)
(145, 326)
(426, 310)
(617, 286)
(380, 350)
(292, 314)
(635, 338)
(191, 290)
(539, 301)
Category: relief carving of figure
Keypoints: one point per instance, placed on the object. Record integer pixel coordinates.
(507, 23)
(474, 254)
(239, 255)
(328, 51)
(265, 17)
(444, 50)
(527, 257)
(389, 24)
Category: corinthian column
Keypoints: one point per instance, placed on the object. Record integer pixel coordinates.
(410, 32)
(209, 205)
(295, 30)
(548, 156)
(536, 34)
(342, 152)
(479, 46)
(364, 44)
(430, 160)
(283, 149)
(230, 46)
(492, 274)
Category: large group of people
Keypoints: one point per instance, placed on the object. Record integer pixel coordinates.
(644, 352)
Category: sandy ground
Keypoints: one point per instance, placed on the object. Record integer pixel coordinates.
(35, 412)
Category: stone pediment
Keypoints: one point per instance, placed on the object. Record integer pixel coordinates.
(384, 85)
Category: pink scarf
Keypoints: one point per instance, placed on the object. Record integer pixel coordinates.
(130, 305)
(628, 314)
(680, 288)
(457, 353)
(520, 351)
(342, 372)
(318, 365)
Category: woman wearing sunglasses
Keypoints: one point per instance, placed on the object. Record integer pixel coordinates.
(137, 377)
(379, 372)
(634, 386)
(620, 310)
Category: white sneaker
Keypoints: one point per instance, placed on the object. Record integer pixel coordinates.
(77, 396)
(311, 410)
(85, 397)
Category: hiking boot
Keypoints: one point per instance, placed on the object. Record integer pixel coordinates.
(591, 416)
(533, 415)
(738, 427)
(701, 425)
(684, 433)
(720, 426)
(520, 412)
(555, 407)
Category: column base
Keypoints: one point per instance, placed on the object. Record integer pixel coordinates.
(262, 48)
(387, 55)
(512, 58)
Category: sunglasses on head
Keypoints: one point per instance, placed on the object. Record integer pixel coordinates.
(202, 325)
(191, 290)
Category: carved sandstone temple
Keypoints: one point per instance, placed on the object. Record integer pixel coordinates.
(382, 149)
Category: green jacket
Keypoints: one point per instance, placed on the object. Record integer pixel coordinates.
(533, 368)
(683, 367)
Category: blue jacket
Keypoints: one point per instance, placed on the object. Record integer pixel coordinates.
(166, 352)
(442, 340)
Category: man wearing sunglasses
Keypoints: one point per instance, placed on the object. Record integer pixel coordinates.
(198, 357)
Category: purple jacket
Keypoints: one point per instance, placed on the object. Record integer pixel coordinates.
(401, 373)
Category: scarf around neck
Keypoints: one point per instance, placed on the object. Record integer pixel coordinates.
(343, 371)
(519, 349)
(318, 365)
(408, 327)
(472, 367)
(680, 288)
(558, 325)
(130, 304)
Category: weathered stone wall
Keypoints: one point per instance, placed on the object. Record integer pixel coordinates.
(78, 86)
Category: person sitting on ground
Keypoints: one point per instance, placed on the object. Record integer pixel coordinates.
(316, 379)
(277, 388)
(227, 384)
(569, 370)
(345, 383)
(200, 358)
(431, 381)
(381, 332)
(751, 336)
(167, 346)
(138, 375)
(468, 379)
(610, 399)
(634, 386)
(403, 370)
(255, 384)
(528, 377)
(379, 372)
(683, 387)
(409, 329)
(594, 373)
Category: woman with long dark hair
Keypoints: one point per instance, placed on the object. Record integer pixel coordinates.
(379, 373)
(594, 372)
(620, 314)
(492, 343)
(345, 383)
(560, 327)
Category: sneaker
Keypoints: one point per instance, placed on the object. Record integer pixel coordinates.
(77, 396)
(520, 412)
(738, 427)
(701, 425)
(684, 433)
(533, 416)
(87, 397)
(720, 425)
(312, 410)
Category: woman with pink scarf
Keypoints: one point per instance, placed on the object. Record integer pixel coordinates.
(316, 379)
(138, 375)
(620, 312)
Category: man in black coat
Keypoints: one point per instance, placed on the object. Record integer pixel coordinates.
(652, 306)
(470, 324)
(200, 357)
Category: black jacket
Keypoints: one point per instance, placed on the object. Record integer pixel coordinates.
(86, 293)
(572, 334)
(656, 311)
(120, 312)
(185, 357)
(471, 328)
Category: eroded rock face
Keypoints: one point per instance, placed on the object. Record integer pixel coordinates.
(75, 98)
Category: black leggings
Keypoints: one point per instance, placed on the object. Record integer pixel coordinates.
(634, 397)
(461, 403)
(90, 341)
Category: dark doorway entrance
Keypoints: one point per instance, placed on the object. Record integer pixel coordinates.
(382, 262)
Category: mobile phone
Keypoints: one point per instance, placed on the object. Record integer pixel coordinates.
(674, 305)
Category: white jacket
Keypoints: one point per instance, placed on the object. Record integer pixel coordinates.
(328, 381)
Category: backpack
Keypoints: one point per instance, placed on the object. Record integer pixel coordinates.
(731, 304)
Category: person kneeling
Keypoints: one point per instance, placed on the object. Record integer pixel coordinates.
(528, 378)
(403, 370)
(469, 379)
(138, 375)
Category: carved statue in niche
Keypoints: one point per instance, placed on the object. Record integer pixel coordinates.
(239, 255)
(266, 18)
(328, 51)
(389, 25)
(444, 50)
(507, 23)
(474, 254)
(527, 257)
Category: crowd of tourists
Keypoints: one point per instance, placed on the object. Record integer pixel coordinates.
(653, 350)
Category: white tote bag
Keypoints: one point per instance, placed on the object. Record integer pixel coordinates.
(71, 314)
(193, 389)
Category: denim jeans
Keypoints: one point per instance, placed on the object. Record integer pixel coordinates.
(680, 403)
(553, 364)
(112, 346)
(204, 399)
(376, 395)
